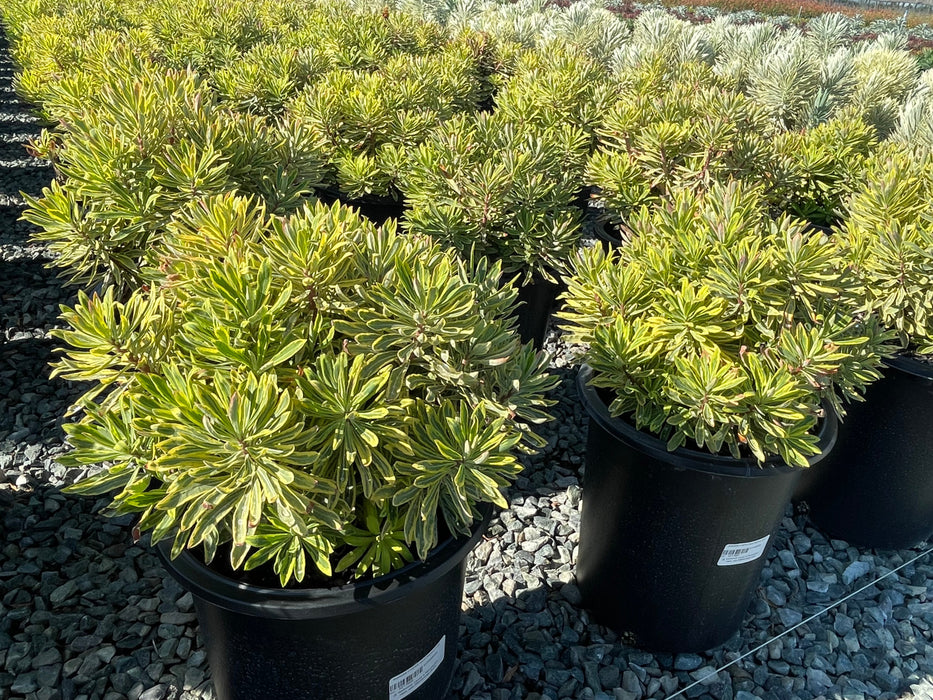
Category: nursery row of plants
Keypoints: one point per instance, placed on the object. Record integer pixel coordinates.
(298, 392)
(279, 104)
(600, 24)
(869, 11)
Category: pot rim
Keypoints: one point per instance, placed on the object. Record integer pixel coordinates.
(909, 365)
(334, 191)
(685, 457)
(307, 603)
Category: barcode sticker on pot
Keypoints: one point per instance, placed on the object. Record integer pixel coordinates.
(407, 682)
(743, 552)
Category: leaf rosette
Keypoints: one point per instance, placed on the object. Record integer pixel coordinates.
(715, 327)
(310, 392)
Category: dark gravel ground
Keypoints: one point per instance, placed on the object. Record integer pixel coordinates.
(85, 613)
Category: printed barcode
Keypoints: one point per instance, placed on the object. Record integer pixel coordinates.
(409, 681)
(741, 553)
(402, 682)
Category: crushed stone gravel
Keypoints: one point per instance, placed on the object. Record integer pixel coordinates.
(87, 614)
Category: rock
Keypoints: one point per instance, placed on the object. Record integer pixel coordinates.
(591, 675)
(473, 682)
(177, 618)
(63, 592)
(609, 676)
(687, 662)
(193, 678)
(789, 617)
(157, 692)
(25, 683)
(48, 676)
(669, 683)
(534, 600)
(46, 658)
(622, 694)
(842, 624)
(855, 571)
(571, 593)
(817, 681)
(851, 642)
(780, 667)
(705, 676)
(631, 683)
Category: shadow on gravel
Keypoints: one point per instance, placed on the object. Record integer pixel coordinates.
(32, 404)
(14, 105)
(9, 215)
(25, 178)
(21, 123)
(540, 641)
(13, 146)
(86, 611)
(30, 294)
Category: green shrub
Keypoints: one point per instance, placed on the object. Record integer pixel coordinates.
(141, 147)
(364, 117)
(555, 86)
(887, 239)
(817, 169)
(925, 60)
(491, 187)
(715, 326)
(268, 76)
(689, 134)
(310, 391)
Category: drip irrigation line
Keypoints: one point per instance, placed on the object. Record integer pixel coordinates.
(799, 624)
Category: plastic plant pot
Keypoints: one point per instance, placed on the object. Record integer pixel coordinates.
(538, 299)
(388, 638)
(608, 234)
(876, 489)
(672, 543)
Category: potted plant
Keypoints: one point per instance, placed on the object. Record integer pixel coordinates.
(140, 146)
(815, 170)
(366, 119)
(876, 490)
(719, 345)
(663, 134)
(488, 186)
(556, 84)
(312, 417)
(264, 79)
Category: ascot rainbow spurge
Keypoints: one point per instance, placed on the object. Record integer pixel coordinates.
(310, 391)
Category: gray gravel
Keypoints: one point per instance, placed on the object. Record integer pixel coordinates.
(85, 613)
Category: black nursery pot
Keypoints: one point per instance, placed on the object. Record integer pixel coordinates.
(389, 638)
(538, 299)
(376, 209)
(672, 543)
(876, 489)
(609, 235)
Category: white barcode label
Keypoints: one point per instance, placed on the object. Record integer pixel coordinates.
(743, 552)
(407, 682)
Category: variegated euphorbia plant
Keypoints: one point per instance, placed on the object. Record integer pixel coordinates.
(887, 238)
(716, 327)
(310, 391)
